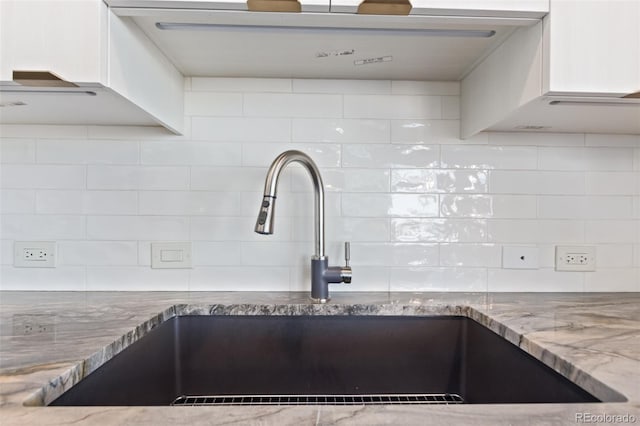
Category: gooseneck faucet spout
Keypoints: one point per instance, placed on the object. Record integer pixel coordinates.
(321, 273)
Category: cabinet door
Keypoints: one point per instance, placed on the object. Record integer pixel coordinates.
(306, 5)
(593, 47)
(64, 37)
(497, 8)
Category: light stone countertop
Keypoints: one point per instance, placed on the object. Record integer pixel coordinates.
(594, 339)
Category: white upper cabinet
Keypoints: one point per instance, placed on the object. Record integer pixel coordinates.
(257, 5)
(593, 47)
(495, 8)
(75, 62)
(577, 71)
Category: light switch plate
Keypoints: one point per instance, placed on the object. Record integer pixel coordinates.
(174, 255)
(516, 257)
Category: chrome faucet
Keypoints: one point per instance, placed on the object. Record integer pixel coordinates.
(321, 273)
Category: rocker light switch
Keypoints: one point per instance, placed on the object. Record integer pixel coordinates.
(171, 255)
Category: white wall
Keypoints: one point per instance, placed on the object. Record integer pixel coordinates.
(423, 209)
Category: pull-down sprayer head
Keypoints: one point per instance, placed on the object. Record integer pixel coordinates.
(264, 224)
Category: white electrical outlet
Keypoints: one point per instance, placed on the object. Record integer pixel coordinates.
(576, 258)
(34, 254)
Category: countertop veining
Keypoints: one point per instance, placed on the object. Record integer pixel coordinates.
(594, 339)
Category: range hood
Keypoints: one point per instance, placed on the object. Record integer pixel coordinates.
(228, 43)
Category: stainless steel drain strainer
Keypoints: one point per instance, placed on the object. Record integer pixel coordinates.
(431, 398)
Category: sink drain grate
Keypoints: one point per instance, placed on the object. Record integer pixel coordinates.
(430, 398)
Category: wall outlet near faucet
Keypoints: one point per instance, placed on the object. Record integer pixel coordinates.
(34, 254)
(576, 258)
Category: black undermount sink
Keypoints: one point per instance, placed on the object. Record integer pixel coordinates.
(307, 358)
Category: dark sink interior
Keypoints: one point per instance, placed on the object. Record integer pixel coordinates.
(315, 355)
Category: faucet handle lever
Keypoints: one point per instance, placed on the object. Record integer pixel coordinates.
(347, 253)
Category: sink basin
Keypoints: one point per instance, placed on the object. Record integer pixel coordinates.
(454, 358)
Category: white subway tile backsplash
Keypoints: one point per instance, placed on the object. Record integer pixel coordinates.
(267, 253)
(424, 210)
(444, 88)
(576, 207)
(241, 129)
(6, 253)
(232, 278)
(607, 280)
(392, 107)
(42, 227)
(535, 231)
(136, 278)
(138, 132)
(471, 255)
(208, 253)
(608, 141)
(208, 228)
(341, 130)
(349, 229)
(611, 183)
(451, 107)
(537, 139)
(375, 87)
(42, 177)
(137, 177)
(159, 228)
(191, 153)
(87, 202)
(292, 105)
(67, 278)
(466, 206)
(42, 131)
(542, 182)
(389, 205)
(527, 280)
(262, 155)
(439, 230)
(488, 157)
(390, 156)
(438, 181)
(181, 203)
(17, 151)
(592, 159)
(514, 206)
(52, 151)
(611, 231)
(82, 253)
(208, 84)
(17, 201)
(439, 279)
(614, 256)
(233, 179)
(348, 180)
(425, 131)
(206, 104)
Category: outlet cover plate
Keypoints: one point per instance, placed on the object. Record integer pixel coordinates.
(517, 257)
(576, 258)
(34, 254)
